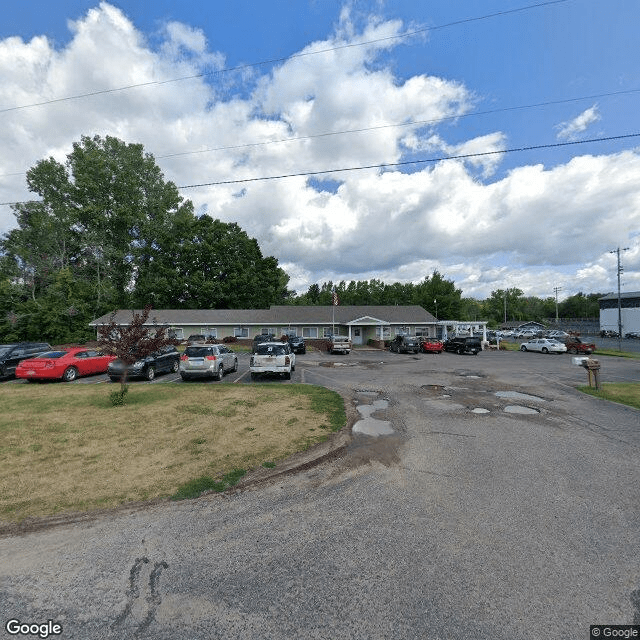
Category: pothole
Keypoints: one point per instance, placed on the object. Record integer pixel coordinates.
(516, 395)
(514, 408)
(372, 426)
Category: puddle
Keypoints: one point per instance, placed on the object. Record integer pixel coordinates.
(480, 410)
(371, 426)
(477, 377)
(515, 395)
(514, 408)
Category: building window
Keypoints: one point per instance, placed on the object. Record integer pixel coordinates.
(422, 331)
(268, 330)
(177, 333)
(241, 332)
(309, 332)
(386, 332)
(326, 332)
(211, 332)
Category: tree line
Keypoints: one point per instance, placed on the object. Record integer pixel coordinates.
(441, 298)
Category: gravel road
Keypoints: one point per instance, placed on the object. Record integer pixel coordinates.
(467, 522)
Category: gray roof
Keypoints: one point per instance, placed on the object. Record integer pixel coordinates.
(627, 294)
(278, 315)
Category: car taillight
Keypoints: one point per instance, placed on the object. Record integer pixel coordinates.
(287, 360)
(183, 357)
(209, 357)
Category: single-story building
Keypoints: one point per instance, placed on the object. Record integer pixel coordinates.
(629, 312)
(360, 323)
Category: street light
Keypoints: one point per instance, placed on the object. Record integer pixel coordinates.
(436, 303)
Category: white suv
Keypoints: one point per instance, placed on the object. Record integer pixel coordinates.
(273, 357)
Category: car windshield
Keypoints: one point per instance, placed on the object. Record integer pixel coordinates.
(197, 352)
(5, 348)
(271, 350)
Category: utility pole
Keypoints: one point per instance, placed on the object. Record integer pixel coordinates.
(620, 270)
(556, 289)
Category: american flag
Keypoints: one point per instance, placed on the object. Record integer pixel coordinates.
(334, 295)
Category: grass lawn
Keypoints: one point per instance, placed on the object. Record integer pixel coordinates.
(623, 392)
(66, 448)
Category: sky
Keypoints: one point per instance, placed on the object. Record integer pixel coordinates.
(496, 141)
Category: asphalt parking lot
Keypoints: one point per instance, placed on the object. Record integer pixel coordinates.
(502, 505)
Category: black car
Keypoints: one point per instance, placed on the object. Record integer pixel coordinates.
(260, 338)
(297, 344)
(12, 354)
(465, 344)
(405, 344)
(164, 360)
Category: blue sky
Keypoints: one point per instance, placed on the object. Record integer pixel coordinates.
(535, 220)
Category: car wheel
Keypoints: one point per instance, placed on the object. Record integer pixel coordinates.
(304, 351)
(523, 348)
(184, 377)
(175, 367)
(150, 374)
(287, 375)
(114, 378)
(235, 365)
(254, 375)
(545, 350)
(220, 373)
(70, 374)
(460, 351)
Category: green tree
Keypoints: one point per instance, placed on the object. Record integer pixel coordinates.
(108, 223)
(211, 265)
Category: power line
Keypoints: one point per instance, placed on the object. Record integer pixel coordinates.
(404, 124)
(412, 162)
(326, 134)
(405, 163)
(250, 65)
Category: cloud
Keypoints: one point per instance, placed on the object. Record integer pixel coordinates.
(571, 130)
(535, 227)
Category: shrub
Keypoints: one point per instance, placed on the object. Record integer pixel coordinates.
(117, 397)
(229, 339)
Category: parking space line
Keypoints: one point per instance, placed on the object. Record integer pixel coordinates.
(240, 377)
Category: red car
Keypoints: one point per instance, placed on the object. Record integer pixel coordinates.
(66, 364)
(431, 345)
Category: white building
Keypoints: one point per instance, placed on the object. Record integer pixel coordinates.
(629, 312)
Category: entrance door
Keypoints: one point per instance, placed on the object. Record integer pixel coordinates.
(356, 335)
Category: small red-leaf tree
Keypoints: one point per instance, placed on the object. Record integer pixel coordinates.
(132, 342)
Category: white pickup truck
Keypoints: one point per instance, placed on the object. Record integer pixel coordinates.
(272, 357)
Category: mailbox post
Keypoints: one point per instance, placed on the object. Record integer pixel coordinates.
(593, 371)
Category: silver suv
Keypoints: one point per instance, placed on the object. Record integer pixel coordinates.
(207, 360)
